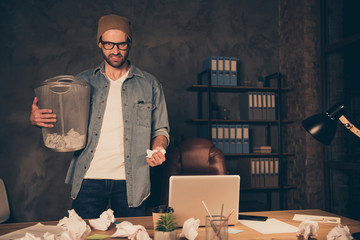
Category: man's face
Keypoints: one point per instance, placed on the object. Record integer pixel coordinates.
(115, 57)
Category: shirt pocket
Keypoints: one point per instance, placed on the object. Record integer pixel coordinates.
(143, 112)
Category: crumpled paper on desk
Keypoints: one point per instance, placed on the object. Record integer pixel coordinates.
(149, 152)
(29, 236)
(308, 228)
(75, 226)
(47, 236)
(340, 232)
(50, 236)
(190, 229)
(133, 232)
(103, 223)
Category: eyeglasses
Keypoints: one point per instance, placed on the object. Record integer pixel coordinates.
(110, 45)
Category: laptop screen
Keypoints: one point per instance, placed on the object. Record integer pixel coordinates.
(220, 193)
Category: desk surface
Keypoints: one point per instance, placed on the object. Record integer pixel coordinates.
(285, 216)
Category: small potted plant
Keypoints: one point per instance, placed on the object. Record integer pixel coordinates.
(166, 227)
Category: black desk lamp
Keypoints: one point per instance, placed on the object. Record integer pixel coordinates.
(323, 126)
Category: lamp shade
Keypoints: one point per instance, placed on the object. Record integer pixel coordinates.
(323, 126)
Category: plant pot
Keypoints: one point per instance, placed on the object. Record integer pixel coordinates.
(159, 235)
(159, 211)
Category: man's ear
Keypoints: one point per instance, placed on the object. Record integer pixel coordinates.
(100, 39)
(130, 42)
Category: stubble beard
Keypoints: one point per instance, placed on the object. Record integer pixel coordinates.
(115, 64)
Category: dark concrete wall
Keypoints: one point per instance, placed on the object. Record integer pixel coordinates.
(40, 39)
(299, 62)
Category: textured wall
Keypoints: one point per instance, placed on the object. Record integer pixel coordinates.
(299, 61)
(41, 39)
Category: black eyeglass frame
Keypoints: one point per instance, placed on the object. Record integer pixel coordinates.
(117, 45)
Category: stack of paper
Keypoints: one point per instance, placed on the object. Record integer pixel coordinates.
(270, 226)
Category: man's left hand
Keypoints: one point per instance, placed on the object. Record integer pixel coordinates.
(157, 158)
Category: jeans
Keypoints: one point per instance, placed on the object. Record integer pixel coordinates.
(97, 195)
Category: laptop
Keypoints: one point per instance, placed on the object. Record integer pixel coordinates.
(220, 193)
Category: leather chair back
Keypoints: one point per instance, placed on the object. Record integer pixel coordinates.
(196, 156)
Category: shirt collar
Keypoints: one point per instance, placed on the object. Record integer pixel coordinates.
(134, 71)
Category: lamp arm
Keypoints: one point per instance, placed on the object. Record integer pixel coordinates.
(349, 126)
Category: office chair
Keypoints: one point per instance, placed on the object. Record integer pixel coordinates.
(4, 206)
(194, 156)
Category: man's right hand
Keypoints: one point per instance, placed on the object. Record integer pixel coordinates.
(41, 117)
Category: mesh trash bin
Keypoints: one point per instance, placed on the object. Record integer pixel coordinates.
(69, 98)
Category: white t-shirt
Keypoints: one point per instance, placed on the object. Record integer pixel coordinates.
(108, 161)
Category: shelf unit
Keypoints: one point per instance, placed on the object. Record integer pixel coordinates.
(279, 122)
(340, 49)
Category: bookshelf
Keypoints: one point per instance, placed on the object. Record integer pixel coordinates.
(206, 92)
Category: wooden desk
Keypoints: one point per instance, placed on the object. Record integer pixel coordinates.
(249, 234)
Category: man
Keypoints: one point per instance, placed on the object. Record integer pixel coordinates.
(128, 115)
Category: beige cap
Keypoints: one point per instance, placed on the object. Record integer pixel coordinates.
(113, 21)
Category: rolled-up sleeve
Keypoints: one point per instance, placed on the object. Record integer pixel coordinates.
(160, 122)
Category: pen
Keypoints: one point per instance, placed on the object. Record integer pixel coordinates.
(222, 210)
(207, 210)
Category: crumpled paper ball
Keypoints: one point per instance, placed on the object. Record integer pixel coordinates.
(49, 236)
(307, 228)
(190, 229)
(340, 232)
(103, 222)
(149, 152)
(75, 226)
(29, 236)
(133, 232)
(46, 236)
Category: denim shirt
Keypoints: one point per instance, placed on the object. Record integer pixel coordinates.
(145, 117)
